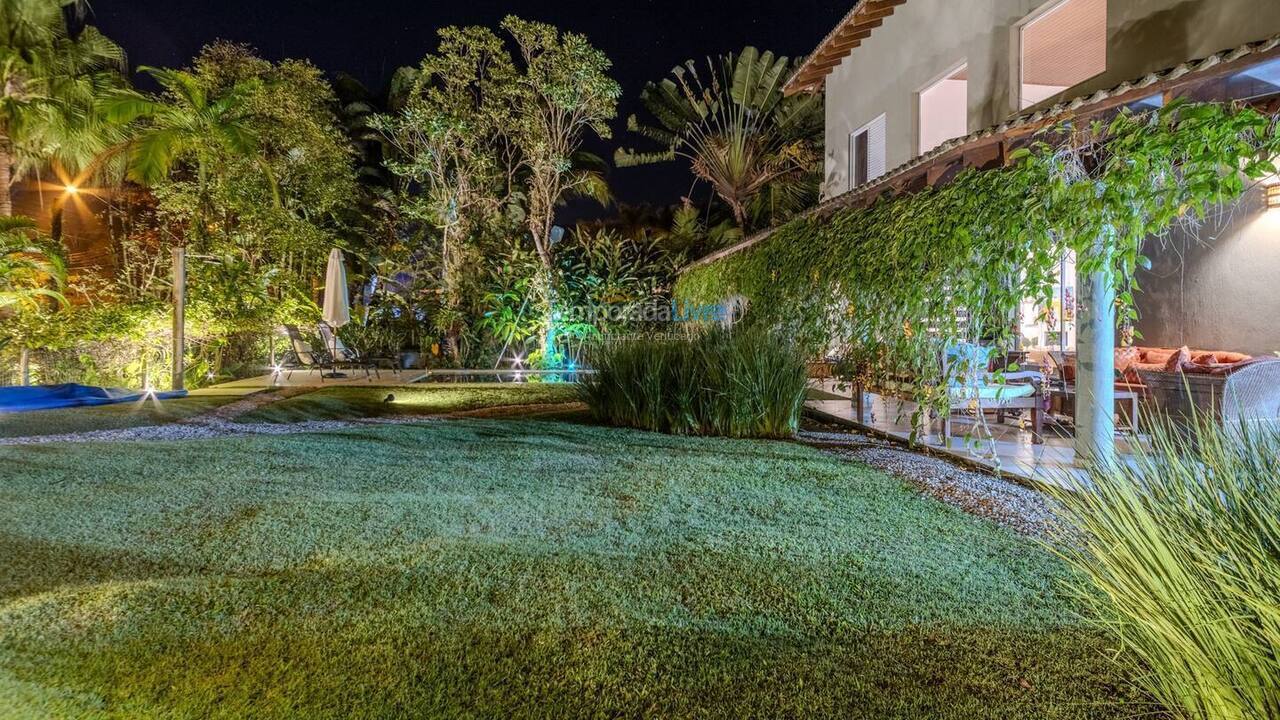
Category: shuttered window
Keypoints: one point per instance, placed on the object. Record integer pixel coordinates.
(866, 153)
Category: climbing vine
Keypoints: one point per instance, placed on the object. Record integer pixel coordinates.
(893, 284)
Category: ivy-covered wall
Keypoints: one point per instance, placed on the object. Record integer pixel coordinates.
(893, 284)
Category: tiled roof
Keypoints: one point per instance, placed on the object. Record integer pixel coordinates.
(848, 34)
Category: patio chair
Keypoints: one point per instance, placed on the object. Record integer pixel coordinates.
(981, 392)
(342, 356)
(301, 356)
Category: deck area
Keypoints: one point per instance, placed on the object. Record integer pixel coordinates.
(1003, 448)
(314, 378)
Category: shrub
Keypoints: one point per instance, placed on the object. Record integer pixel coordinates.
(717, 382)
(1180, 557)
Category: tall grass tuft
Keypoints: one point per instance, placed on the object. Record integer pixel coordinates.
(747, 383)
(1180, 558)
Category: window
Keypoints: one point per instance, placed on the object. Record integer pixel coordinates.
(1061, 46)
(866, 153)
(943, 109)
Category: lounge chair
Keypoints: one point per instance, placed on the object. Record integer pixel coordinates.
(301, 355)
(342, 356)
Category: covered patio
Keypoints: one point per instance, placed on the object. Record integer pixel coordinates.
(1004, 448)
(1082, 322)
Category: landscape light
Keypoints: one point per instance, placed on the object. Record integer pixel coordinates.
(71, 189)
(1273, 197)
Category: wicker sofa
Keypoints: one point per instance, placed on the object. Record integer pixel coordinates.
(1228, 387)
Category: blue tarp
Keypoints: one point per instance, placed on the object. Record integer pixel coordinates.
(45, 397)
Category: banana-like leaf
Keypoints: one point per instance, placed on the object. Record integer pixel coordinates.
(630, 158)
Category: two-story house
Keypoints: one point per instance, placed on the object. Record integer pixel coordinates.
(901, 77)
(911, 85)
(917, 90)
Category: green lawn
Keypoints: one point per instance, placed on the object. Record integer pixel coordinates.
(109, 417)
(354, 401)
(516, 568)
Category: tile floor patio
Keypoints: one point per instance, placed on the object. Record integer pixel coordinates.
(1012, 453)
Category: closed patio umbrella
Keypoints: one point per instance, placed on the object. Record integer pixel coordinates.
(337, 307)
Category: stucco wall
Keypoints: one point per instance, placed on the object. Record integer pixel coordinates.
(1216, 288)
(920, 42)
(925, 38)
(1144, 36)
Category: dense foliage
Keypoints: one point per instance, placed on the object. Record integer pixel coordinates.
(1180, 559)
(51, 81)
(31, 270)
(891, 285)
(716, 382)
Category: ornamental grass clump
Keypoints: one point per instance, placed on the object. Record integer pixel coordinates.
(716, 382)
(1180, 558)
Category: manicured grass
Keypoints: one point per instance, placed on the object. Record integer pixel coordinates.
(352, 402)
(504, 568)
(108, 417)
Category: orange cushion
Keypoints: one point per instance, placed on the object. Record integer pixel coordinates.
(1178, 360)
(1231, 358)
(1126, 357)
(1157, 356)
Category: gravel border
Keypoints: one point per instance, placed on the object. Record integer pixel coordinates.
(220, 423)
(1021, 509)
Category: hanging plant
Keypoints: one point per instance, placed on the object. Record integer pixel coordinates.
(892, 285)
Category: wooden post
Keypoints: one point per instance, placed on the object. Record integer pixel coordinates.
(24, 366)
(1096, 367)
(179, 316)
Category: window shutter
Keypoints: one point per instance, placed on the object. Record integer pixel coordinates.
(866, 153)
(876, 149)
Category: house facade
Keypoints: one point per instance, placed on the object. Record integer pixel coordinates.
(909, 80)
(911, 74)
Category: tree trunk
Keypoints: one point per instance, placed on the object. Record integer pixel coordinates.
(6, 177)
(448, 282)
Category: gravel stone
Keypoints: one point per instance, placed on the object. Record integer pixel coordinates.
(1019, 508)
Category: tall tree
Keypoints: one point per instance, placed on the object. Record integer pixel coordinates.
(297, 196)
(451, 141)
(186, 123)
(50, 84)
(565, 94)
(756, 148)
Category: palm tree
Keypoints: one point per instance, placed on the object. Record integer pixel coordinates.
(50, 84)
(737, 130)
(188, 124)
(30, 271)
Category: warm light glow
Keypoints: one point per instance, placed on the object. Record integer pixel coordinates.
(1273, 197)
(71, 189)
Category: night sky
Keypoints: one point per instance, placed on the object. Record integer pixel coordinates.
(371, 38)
